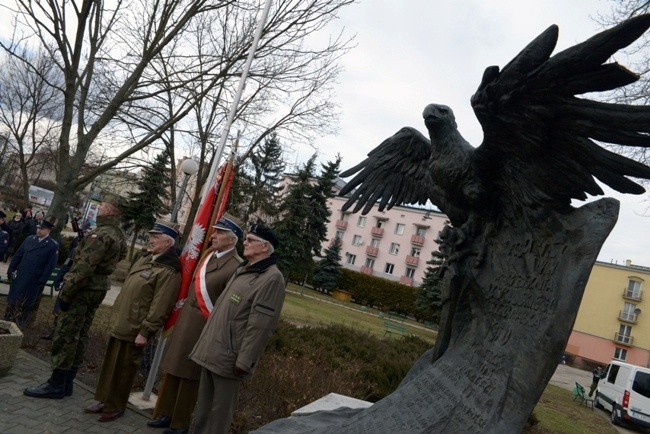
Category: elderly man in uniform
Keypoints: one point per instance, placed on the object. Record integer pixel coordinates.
(180, 388)
(144, 303)
(28, 272)
(84, 288)
(243, 319)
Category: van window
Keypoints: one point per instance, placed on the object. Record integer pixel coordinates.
(613, 372)
(641, 384)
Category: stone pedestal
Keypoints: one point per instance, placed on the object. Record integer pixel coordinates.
(9, 345)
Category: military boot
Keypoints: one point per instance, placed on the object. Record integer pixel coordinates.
(69, 384)
(54, 388)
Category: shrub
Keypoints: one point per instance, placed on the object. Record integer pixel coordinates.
(376, 291)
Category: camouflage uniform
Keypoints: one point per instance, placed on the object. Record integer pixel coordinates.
(85, 287)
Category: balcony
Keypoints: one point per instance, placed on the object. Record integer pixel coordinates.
(627, 317)
(623, 339)
(372, 251)
(377, 232)
(366, 270)
(406, 280)
(413, 261)
(631, 294)
(341, 224)
(417, 240)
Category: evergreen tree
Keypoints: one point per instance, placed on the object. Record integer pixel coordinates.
(256, 187)
(303, 226)
(150, 202)
(428, 296)
(328, 270)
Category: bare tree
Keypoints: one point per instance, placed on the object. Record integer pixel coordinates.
(113, 57)
(102, 67)
(29, 114)
(639, 60)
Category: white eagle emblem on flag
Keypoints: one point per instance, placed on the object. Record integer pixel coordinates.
(192, 248)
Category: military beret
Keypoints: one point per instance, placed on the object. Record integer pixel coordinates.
(3, 215)
(265, 233)
(229, 223)
(165, 227)
(117, 201)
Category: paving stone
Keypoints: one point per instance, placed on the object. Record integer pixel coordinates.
(20, 414)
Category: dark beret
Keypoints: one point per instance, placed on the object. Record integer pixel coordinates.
(265, 233)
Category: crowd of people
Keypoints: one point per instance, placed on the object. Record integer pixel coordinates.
(232, 308)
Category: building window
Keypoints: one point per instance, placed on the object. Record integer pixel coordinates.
(350, 258)
(339, 235)
(394, 249)
(415, 252)
(362, 221)
(380, 224)
(420, 232)
(370, 263)
(620, 354)
(345, 216)
(410, 272)
(627, 314)
(633, 289)
(374, 242)
(389, 268)
(399, 228)
(624, 333)
(356, 240)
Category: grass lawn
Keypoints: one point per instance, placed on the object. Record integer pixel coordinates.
(558, 413)
(316, 309)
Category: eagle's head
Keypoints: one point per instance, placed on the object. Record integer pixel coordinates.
(438, 116)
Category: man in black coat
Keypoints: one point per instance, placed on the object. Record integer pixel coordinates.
(5, 235)
(28, 272)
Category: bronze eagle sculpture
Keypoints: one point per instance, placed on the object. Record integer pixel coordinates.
(540, 139)
(517, 253)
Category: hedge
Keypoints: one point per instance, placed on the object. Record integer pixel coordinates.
(386, 295)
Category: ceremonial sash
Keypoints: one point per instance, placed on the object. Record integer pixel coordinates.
(201, 290)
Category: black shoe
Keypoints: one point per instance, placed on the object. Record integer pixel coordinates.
(46, 390)
(161, 422)
(177, 431)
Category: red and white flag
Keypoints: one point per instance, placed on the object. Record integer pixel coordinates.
(194, 246)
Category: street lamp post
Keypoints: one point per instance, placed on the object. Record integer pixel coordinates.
(189, 167)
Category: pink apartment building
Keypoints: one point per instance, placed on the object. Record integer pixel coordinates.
(394, 244)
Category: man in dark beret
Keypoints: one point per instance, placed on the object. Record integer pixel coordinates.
(243, 319)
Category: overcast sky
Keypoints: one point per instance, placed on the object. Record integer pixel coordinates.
(414, 52)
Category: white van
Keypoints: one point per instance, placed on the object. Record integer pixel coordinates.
(625, 391)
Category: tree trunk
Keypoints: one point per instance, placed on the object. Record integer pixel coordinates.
(508, 311)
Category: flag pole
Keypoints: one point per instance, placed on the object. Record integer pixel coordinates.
(242, 82)
(146, 394)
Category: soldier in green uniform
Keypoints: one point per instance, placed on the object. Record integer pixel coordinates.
(84, 288)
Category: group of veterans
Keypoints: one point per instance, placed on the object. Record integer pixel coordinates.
(232, 308)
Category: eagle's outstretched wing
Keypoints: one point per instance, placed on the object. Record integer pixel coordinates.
(395, 172)
(539, 138)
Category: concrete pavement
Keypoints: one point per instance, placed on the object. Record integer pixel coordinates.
(20, 414)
